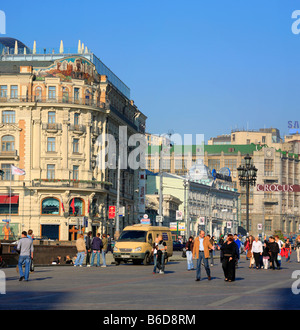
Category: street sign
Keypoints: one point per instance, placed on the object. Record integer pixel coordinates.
(259, 226)
(179, 215)
(145, 220)
(229, 224)
(201, 221)
(111, 212)
(159, 218)
(122, 211)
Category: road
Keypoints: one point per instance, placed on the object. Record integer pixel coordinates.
(130, 287)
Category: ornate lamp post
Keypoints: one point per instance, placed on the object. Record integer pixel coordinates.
(247, 177)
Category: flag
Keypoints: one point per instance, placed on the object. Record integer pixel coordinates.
(63, 208)
(17, 171)
(72, 205)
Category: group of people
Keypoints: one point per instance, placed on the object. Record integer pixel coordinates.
(269, 253)
(91, 247)
(264, 255)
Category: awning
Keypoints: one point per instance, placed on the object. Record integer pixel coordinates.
(5, 199)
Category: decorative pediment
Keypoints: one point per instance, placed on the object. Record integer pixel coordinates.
(9, 128)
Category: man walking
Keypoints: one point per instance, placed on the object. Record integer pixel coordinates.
(274, 250)
(81, 250)
(88, 246)
(201, 249)
(97, 246)
(25, 246)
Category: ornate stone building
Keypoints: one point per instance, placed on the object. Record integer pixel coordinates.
(56, 111)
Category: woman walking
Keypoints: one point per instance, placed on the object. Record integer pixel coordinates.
(249, 253)
(229, 251)
(189, 253)
(257, 251)
(297, 247)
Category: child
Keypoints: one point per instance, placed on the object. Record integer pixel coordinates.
(266, 255)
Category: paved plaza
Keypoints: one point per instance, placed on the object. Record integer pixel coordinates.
(131, 287)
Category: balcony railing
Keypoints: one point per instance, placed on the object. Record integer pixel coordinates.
(9, 154)
(81, 184)
(77, 128)
(64, 99)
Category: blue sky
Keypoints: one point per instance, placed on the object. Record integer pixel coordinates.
(194, 66)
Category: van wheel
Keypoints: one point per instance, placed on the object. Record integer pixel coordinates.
(117, 262)
(146, 260)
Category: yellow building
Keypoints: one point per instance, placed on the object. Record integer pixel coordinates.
(54, 110)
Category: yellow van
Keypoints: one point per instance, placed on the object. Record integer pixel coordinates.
(136, 242)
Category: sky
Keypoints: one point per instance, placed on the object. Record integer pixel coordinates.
(193, 67)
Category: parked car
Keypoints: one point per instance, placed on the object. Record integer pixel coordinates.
(177, 246)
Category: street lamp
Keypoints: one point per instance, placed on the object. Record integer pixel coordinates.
(247, 177)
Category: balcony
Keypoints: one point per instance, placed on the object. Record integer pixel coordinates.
(52, 127)
(68, 183)
(77, 129)
(9, 155)
(62, 100)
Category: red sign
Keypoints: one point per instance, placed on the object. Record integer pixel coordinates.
(111, 212)
(278, 187)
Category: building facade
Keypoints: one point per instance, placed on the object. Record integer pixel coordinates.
(56, 113)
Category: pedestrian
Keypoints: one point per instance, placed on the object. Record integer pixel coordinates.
(31, 236)
(221, 240)
(211, 251)
(297, 247)
(189, 253)
(154, 253)
(109, 244)
(81, 251)
(97, 246)
(25, 247)
(104, 250)
(274, 253)
(161, 250)
(88, 246)
(286, 250)
(249, 253)
(266, 255)
(280, 245)
(238, 243)
(229, 250)
(257, 251)
(201, 252)
(246, 247)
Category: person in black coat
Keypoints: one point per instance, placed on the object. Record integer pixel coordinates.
(274, 251)
(229, 253)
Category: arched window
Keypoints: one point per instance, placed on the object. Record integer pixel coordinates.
(65, 95)
(38, 94)
(76, 207)
(8, 143)
(50, 206)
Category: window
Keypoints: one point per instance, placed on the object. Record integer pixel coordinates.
(50, 172)
(14, 92)
(51, 144)
(8, 117)
(65, 92)
(52, 92)
(76, 94)
(75, 145)
(75, 172)
(38, 94)
(51, 117)
(263, 139)
(50, 206)
(8, 143)
(76, 119)
(76, 207)
(9, 204)
(214, 164)
(3, 91)
(248, 141)
(269, 166)
(268, 225)
(6, 168)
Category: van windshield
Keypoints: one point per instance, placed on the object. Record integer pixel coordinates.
(133, 236)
